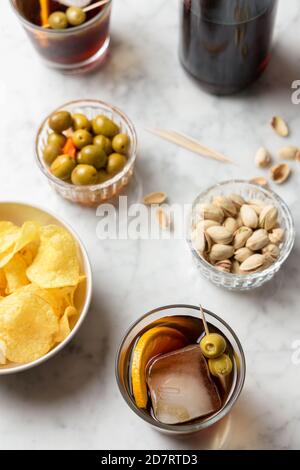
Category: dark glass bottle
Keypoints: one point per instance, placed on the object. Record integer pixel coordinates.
(225, 44)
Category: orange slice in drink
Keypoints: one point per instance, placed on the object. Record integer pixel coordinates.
(156, 341)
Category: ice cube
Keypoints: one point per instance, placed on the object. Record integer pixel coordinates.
(181, 387)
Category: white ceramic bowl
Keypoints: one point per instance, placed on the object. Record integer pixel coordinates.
(20, 212)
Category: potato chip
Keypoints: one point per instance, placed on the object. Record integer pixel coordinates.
(28, 233)
(57, 304)
(3, 283)
(56, 263)
(2, 353)
(63, 328)
(15, 274)
(27, 326)
(9, 233)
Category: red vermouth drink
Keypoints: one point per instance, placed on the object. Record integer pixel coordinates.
(179, 372)
(76, 48)
(225, 44)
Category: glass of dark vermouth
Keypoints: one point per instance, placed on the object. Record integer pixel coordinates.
(74, 49)
(226, 44)
(169, 380)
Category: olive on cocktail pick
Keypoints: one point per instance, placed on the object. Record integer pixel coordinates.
(75, 16)
(58, 20)
(212, 344)
(220, 366)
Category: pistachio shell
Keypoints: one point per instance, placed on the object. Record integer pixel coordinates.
(220, 235)
(268, 217)
(280, 173)
(211, 212)
(272, 250)
(224, 265)
(241, 236)
(163, 219)
(226, 205)
(258, 240)
(260, 180)
(252, 264)
(288, 153)
(154, 198)
(280, 126)
(220, 252)
(237, 200)
(277, 236)
(231, 224)
(262, 158)
(242, 254)
(249, 216)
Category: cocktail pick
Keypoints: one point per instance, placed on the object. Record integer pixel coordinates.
(204, 320)
(43, 4)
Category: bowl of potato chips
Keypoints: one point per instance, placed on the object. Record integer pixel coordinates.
(45, 285)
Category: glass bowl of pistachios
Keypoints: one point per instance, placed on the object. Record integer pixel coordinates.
(240, 234)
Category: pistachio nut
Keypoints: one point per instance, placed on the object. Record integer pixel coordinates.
(220, 235)
(226, 205)
(231, 224)
(262, 158)
(249, 216)
(288, 153)
(211, 212)
(224, 265)
(242, 254)
(239, 221)
(280, 126)
(276, 236)
(203, 225)
(220, 252)
(253, 264)
(268, 217)
(268, 260)
(199, 241)
(271, 250)
(241, 236)
(258, 208)
(258, 240)
(237, 200)
(235, 267)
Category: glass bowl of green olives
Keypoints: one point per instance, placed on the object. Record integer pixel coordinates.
(240, 234)
(87, 151)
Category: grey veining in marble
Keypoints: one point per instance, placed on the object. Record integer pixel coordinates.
(72, 401)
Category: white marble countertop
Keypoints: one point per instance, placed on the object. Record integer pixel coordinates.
(73, 401)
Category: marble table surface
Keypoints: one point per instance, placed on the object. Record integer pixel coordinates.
(72, 401)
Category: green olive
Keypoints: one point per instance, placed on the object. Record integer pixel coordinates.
(51, 151)
(220, 366)
(92, 155)
(104, 126)
(63, 166)
(84, 175)
(57, 139)
(212, 345)
(75, 16)
(104, 143)
(60, 121)
(80, 121)
(121, 143)
(58, 20)
(102, 176)
(81, 138)
(116, 163)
